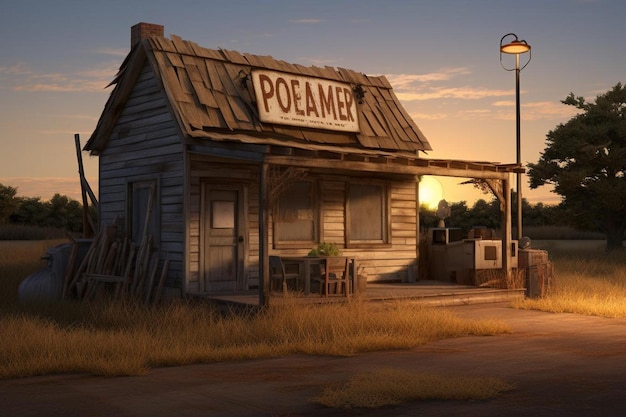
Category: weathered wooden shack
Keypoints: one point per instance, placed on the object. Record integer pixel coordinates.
(247, 156)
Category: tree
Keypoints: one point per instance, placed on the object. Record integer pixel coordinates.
(8, 202)
(64, 213)
(585, 160)
(485, 214)
(30, 211)
(61, 212)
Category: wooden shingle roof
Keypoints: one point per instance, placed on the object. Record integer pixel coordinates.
(206, 93)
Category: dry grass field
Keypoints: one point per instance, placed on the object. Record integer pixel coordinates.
(562, 248)
(129, 339)
(393, 386)
(588, 279)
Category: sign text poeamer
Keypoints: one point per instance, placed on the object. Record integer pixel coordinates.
(316, 103)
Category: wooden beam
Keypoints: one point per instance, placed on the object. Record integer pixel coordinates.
(418, 248)
(389, 168)
(92, 196)
(496, 189)
(225, 150)
(88, 227)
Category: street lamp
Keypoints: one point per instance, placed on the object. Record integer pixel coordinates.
(516, 47)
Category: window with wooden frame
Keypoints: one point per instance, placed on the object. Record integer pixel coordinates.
(367, 215)
(295, 215)
(142, 201)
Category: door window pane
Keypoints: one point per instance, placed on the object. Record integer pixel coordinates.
(223, 215)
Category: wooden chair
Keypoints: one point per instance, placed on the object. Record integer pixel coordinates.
(279, 276)
(335, 277)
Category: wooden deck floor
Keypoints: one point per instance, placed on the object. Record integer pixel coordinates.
(433, 293)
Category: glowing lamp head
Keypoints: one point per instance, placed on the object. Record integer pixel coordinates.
(515, 47)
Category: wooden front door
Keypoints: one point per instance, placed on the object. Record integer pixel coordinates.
(222, 238)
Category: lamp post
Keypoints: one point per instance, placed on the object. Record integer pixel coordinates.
(516, 47)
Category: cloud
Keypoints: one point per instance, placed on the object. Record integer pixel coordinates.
(464, 93)
(317, 61)
(89, 117)
(21, 78)
(428, 116)
(504, 110)
(477, 112)
(537, 110)
(66, 87)
(409, 81)
(307, 21)
(420, 87)
(19, 69)
(112, 51)
(46, 188)
(63, 132)
(547, 110)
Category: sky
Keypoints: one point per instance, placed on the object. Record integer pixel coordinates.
(442, 58)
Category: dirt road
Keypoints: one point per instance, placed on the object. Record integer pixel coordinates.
(560, 364)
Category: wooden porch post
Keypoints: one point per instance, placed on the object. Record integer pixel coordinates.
(264, 269)
(417, 273)
(506, 229)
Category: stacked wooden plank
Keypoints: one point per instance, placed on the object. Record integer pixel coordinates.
(117, 269)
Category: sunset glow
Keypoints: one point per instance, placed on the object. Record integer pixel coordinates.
(56, 65)
(431, 192)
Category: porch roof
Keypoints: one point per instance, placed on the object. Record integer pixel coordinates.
(344, 158)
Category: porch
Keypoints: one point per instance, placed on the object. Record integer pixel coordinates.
(427, 292)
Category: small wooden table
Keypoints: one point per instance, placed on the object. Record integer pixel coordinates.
(305, 262)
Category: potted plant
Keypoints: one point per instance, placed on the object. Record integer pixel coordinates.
(325, 249)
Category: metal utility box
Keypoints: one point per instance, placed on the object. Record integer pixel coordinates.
(438, 240)
(467, 257)
(454, 259)
(538, 271)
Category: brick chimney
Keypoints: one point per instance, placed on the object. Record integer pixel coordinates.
(143, 30)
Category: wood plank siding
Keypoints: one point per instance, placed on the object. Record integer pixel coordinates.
(145, 145)
(380, 264)
(394, 262)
